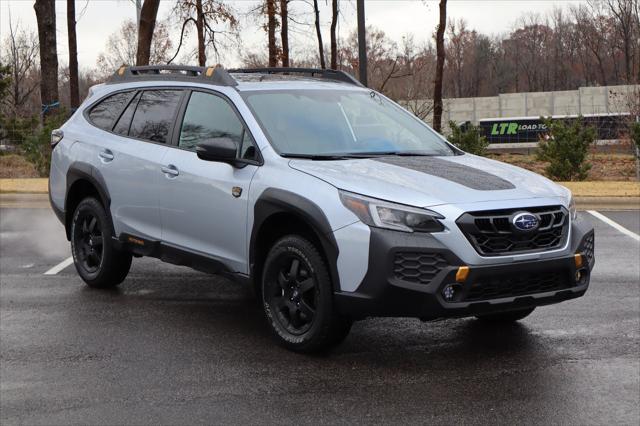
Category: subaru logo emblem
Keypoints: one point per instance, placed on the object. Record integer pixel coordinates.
(525, 222)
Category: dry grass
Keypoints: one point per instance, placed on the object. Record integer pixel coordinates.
(603, 189)
(33, 186)
(15, 166)
(605, 167)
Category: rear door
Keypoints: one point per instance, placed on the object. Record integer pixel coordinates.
(204, 204)
(131, 163)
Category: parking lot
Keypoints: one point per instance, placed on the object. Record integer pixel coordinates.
(176, 346)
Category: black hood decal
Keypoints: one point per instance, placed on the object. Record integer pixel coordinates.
(459, 173)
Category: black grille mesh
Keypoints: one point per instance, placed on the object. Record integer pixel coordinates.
(588, 247)
(492, 234)
(495, 288)
(418, 267)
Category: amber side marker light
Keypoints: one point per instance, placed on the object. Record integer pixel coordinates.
(462, 274)
(578, 259)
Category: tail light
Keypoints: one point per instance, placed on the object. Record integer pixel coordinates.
(56, 136)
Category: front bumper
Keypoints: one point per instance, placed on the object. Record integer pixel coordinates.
(390, 289)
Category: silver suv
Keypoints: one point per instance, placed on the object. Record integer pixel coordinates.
(329, 198)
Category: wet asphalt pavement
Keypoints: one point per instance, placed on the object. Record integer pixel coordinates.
(174, 346)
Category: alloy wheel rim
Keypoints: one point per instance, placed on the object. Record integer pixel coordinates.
(292, 294)
(89, 243)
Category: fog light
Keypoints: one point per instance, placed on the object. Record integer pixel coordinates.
(450, 292)
(578, 276)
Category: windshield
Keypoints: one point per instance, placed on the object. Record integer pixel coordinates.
(340, 122)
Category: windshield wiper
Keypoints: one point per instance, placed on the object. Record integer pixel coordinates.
(388, 153)
(316, 157)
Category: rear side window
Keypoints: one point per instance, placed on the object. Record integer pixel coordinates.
(154, 115)
(105, 113)
(122, 126)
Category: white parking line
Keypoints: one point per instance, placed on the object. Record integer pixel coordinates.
(60, 266)
(614, 225)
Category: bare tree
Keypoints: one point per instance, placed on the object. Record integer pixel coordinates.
(216, 25)
(440, 54)
(46, 17)
(334, 40)
(121, 47)
(284, 31)
(148, 15)
(272, 24)
(625, 12)
(74, 91)
(20, 53)
(316, 12)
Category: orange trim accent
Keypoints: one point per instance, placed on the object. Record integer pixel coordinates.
(462, 274)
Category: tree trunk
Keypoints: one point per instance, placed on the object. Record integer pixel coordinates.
(74, 91)
(145, 30)
(202, 55)
(284, 31)
(437, 89)
(46, 17)
(323, 65)
(334, 42)
(271, 30)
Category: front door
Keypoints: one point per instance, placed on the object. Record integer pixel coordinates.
(203, 207)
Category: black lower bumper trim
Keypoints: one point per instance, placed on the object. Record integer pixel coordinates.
(487, 289)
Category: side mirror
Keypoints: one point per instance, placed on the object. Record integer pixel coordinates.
(223, 150)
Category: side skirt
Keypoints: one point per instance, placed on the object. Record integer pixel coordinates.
(177, 256)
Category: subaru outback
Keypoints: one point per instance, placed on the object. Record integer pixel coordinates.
(332, 200)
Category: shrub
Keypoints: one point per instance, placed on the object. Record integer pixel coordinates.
(635, 135)
(566, 149)
(37, 146)
(468, 138)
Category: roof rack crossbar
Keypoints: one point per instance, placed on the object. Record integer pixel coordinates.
(328, 74)
(216, 75)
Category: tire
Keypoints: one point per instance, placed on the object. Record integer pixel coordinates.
(506, 317)
(297, 297)
(96, 259)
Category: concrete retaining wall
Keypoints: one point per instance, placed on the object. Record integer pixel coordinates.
(586, 100)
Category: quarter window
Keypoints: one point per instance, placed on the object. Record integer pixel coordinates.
(105, 113)
(209, 116)
(122, 126)
(154, 115)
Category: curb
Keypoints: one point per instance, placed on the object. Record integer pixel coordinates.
(608, 203)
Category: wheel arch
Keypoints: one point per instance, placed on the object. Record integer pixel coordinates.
(83, 180)
(278, 213)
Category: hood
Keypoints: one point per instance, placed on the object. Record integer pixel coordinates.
(431, 181)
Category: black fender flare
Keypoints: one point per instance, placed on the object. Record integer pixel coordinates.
(274, 201)
(84, 171)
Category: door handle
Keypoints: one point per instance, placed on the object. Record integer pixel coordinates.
(106, 155)
(170, 170)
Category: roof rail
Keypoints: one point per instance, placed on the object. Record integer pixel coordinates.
(329, 74)
(215, 75)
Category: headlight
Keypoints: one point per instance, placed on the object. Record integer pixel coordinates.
(398, 217)
(573, 212)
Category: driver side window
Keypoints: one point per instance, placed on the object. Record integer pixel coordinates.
(209, 116)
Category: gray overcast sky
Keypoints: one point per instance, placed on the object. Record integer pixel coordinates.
(396, 17)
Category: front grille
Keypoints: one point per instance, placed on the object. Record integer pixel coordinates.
(492, 234)
(418, 267)
(498, 287)
(588, 247)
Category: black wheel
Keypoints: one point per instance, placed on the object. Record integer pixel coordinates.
(297, 297)
(97, 261)
(506, 317)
